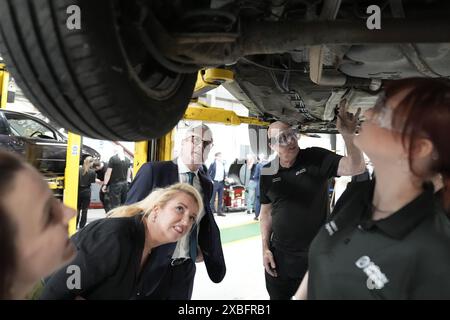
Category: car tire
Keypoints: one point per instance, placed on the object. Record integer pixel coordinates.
(95, 81)
(234, 172)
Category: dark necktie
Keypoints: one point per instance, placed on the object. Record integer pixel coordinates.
(191, 176)
(193, 236)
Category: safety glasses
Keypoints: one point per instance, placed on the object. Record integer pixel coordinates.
(285, 137)
(196, 140)
(382, 115)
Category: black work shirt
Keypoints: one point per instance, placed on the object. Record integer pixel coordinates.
(101, 172)
(299, 197)
(85, 180)
(119, 169)
(109, 257)
(404, 256)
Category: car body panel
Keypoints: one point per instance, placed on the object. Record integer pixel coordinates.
(46, 153)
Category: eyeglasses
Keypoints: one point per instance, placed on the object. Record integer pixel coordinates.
(196, 140)
(285, 137)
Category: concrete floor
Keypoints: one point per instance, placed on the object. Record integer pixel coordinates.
(244, 279)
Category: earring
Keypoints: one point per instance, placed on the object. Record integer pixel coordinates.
(154, 218)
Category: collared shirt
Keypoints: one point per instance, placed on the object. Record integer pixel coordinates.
(404, 256)
(220, 171)
(299, 197)
(182, 248)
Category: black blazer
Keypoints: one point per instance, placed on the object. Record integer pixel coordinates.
(109, 257)
(162, 174)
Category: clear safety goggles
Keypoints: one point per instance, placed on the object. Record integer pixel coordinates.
(285, 137)
(382, 115)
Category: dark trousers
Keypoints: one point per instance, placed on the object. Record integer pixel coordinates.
(290, 270)
(104, 198)
(177, 283)
(117, 194)
(84, 199)
(218, 188)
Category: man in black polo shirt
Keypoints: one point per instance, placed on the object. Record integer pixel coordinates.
(294, 201)
(100, 168)
(116, 178)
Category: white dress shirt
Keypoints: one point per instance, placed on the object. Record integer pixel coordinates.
(182, 248)
(220, 170)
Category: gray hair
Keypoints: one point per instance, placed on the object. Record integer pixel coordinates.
(200, 130)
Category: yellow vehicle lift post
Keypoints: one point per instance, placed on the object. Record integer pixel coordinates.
(71, 176)
(4, 82)
(140, 155)
(161, 149)
(165, 147)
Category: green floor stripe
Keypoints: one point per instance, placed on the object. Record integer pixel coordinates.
(239, 232)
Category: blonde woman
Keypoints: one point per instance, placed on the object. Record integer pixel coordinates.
(114, 258)
(86, 178)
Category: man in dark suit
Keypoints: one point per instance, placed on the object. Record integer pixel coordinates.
(174, 264)
(217, 173)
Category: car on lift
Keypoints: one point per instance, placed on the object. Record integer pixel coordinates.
(126, 69)
(40, 143)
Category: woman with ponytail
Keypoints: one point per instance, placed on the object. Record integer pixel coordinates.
(389, 238)
(114, 254)
(86, 178)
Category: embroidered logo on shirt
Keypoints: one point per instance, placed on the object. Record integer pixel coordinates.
(276, 179)
(376, 279)
(300, 171)
(331, 227)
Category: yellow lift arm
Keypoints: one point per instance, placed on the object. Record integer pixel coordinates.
(207, 80)
(203, 112)
(210, 79)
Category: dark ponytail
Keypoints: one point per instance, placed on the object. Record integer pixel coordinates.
(9, 166)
